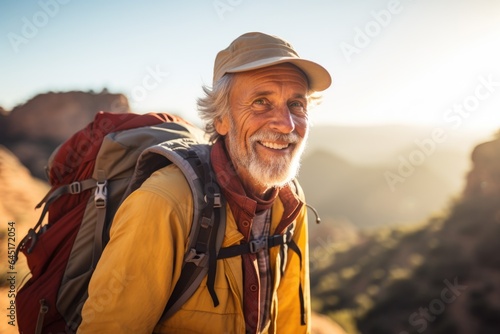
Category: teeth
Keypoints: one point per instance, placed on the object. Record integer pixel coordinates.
(274, 146)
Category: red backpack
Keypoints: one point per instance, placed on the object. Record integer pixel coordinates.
(90, 175)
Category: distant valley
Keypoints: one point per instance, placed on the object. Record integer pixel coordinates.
(371, 176)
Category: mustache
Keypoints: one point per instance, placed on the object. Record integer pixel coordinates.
(291, 138)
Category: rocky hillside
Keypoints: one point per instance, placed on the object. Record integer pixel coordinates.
(34, 129)
(18, 198)
(442, 276)
(20, 191)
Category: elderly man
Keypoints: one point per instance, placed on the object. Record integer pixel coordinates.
(256, 113)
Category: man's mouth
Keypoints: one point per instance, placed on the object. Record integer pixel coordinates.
(274, 146)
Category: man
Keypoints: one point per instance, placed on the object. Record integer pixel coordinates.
(257, 115)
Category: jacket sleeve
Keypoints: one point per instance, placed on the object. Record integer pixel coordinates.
(295, 277)
(133, 279)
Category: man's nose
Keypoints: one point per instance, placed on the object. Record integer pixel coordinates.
(282, 120)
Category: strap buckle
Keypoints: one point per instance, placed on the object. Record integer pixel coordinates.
(75, 188)
(217, 200)
(101, 194)
(31, 237)
(257, 245)
(199, 259)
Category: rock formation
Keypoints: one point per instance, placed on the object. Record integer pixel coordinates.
(33, 130)
(484, 178)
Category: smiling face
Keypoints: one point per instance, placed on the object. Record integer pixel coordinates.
(267, 125)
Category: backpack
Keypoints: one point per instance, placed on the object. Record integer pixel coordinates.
(90, 175)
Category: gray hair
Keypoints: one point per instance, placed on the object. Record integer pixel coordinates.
(215, 104)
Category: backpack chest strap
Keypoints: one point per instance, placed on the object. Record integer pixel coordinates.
(255, 245)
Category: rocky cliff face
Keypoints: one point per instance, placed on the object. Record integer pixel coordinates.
(484, 178)
(440, 277)
(33, 130)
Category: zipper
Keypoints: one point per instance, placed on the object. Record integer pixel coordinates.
(44, 308)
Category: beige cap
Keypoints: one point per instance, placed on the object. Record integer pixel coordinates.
(256, 50)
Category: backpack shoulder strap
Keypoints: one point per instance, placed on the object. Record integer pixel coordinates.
(208, 225)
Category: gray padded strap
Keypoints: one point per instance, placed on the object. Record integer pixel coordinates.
(100, 201)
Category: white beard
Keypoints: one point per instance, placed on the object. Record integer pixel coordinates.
(283, 168)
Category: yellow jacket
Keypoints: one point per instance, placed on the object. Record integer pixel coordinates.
(142, 261)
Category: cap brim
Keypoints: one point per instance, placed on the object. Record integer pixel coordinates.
(318, 77)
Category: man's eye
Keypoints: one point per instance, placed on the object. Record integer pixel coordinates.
(260, 101)
(261, 105)
(296, 104)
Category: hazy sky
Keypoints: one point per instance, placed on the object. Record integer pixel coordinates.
(431, 62)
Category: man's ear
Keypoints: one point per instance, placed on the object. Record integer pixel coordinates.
(222, 125)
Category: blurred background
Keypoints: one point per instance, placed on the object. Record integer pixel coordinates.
(403, 162)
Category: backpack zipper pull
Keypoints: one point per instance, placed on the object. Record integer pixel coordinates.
(44, 308)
